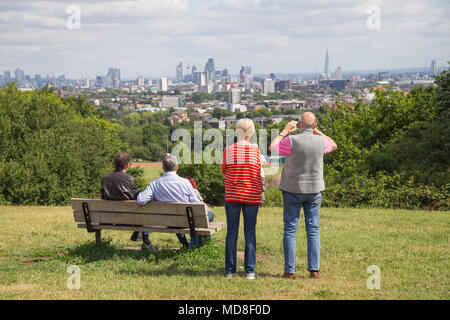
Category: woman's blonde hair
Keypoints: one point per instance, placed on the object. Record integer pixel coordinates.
(245, 128)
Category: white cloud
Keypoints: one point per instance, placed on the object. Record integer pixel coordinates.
(150, 36)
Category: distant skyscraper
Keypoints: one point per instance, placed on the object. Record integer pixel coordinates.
(194, 74)
(38, 79)
(7, 77)
(434, 68)
(225, 73)
(180, 72)
(188, 75)
(19, 76)
(338, 73)
(162, 84)
(113, 78)
(201, 79)
(327, 66)
(210, 70)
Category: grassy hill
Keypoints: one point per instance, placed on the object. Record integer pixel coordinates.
(37, 244)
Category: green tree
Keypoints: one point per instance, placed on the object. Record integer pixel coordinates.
(51, 151)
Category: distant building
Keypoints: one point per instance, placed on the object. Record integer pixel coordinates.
(140, 81)
(162, 84)
(201, 79)
(234, 96)
(180, 72)
(171, 101)
(327, 66)
(335, 84)
(19, 76)
(210, 70)
(178, 117)
(237, 107)
(255, 107)
(217, 124)
(283, 85)
(268, 86)
(7, 77)
(338, 74)
(199, 116)
(113, 78)
(434, 68)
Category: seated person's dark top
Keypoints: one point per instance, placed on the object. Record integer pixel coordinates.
(119, 186)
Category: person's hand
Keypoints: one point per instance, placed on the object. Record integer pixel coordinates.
(317, 131)
(290, 127)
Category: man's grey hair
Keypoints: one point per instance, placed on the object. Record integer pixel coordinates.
(170, 164)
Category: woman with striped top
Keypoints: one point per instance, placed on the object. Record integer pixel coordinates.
(243, 187)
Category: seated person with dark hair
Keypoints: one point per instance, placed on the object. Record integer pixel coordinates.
(120, 186)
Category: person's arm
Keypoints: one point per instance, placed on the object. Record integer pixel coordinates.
(192, 195)
(145, 196)
(290, 127)
(102, 190)
(330, 145)
(223, 166)
(134, 190)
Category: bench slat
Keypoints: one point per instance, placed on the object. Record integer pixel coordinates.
(143, 219)
(200, 231)
(198, 209)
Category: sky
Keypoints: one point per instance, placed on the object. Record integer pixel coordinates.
(85, 38)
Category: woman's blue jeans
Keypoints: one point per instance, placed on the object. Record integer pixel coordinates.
(233, 213)
(292, 204)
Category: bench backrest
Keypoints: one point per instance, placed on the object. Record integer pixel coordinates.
(130, 213)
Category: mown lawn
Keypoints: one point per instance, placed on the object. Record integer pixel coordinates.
(37, 244)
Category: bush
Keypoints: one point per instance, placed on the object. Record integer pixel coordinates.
(51, 151)
(384, 191)
(210, 181)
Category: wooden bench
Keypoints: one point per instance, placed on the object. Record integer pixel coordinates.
(183, 218)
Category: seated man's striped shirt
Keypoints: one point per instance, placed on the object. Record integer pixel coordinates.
(242, 168)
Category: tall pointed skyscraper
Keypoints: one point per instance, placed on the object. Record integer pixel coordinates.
(327, 66)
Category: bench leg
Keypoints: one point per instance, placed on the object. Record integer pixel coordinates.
(98, 237)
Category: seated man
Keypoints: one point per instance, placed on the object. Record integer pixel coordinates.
(169, 188)
(120, 186)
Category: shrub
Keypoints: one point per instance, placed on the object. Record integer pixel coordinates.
(49, 151)
(210, 181)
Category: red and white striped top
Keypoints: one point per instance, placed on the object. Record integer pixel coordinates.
(242, 169)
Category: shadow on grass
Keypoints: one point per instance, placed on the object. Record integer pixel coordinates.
(201, 261)
(89, 252)
(176, 269)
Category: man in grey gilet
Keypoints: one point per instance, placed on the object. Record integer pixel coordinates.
(302, 183)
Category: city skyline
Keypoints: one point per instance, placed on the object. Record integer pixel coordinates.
(435, 66)
(148, 37)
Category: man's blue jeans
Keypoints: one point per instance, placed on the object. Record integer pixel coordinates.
(292, 204)
(250, 213)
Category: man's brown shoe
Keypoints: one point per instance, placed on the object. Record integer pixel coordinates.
(289, 276)
(314, 274)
